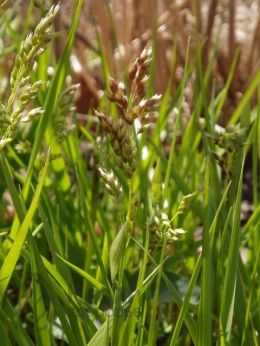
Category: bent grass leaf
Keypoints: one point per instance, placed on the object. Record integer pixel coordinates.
(102, 336)
(116, 251)
(95, 283)
(59, 280)
(13, 255)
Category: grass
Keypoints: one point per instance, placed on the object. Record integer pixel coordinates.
(110, 236)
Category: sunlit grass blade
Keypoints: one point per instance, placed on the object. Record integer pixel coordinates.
(53, 93)
(230, 279)
(245, 99)
(84, 274)
(13, 255)
(41, 323)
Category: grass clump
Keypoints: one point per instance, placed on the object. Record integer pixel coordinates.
(132, 226)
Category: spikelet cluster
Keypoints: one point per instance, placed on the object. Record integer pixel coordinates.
(33, 46)
(132, 105)
(111, 182)
(23, 91)
(163, 228)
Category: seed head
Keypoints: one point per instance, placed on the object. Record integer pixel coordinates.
(19, 107)
(111, 182)
(132, 105)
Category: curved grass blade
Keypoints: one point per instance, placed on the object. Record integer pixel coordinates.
(95, 283)
(13, 255)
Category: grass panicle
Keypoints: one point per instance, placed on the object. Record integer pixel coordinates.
(19, 107)
(138, 225)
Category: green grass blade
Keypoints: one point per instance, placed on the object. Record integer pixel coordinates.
(185, 306)
(229, 290)
(12, 257)
(41, 322)
(98, 285)
(53, 93)
(245, 99)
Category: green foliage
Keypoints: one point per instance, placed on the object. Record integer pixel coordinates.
(142, 243)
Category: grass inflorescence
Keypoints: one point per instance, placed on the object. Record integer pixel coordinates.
(135, 222)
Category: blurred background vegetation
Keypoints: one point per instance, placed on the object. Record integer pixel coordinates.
(179, 30)
(199, 157)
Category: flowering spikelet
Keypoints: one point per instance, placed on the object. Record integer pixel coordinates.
(162, 230)
(121, 141)
(19, 106)
(132, 105)
(111, 182)
(33, 46)
(165, 229)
